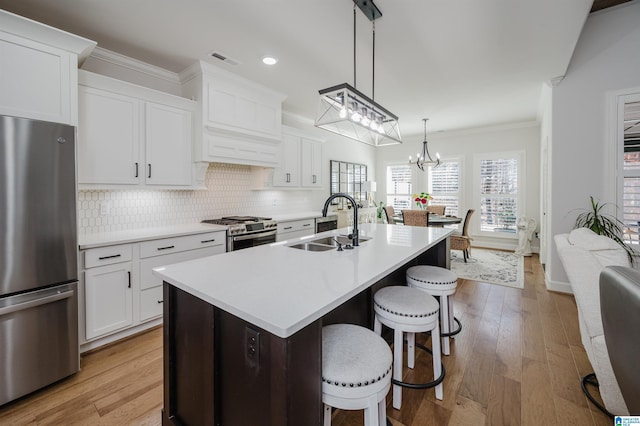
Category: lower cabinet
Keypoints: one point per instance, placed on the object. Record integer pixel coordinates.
(295, 229)
(121, 294)
(108, 299)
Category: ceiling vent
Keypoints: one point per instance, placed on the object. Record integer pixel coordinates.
(224, 58)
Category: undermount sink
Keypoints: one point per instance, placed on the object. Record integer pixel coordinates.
(326, 243)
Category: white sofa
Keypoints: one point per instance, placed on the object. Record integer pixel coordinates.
(584, 254)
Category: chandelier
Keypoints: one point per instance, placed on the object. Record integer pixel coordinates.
(348, 112)
(425, 157)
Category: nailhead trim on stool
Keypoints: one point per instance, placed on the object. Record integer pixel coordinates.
(442, 283)
(356, 372)
(409, 310)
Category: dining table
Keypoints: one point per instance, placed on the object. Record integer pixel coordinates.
(435, 220)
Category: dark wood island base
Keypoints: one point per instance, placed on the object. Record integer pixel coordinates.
(222, 370)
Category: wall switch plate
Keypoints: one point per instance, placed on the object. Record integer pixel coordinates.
(252, 347)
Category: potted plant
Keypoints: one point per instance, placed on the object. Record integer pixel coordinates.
(603, 224)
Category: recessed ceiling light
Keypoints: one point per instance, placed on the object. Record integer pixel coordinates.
(269, 60)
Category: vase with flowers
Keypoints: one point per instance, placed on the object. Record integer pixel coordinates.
(422, 199)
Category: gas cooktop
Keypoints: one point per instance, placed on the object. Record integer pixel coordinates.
(238, 225)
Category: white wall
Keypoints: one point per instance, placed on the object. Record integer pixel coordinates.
(464, 145)
(606, 59)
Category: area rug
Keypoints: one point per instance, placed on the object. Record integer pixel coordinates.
(490, 266)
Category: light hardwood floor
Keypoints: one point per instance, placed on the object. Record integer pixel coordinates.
(517, 361)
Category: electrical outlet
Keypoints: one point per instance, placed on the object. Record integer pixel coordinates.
(105, 208)
(253, 347)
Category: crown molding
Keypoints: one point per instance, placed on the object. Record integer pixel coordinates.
(476, 130)
(120, 60)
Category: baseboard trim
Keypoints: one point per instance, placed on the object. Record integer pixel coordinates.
(558, 286)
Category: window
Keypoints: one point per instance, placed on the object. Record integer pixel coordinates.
(399, 186)
(631, 171)
(498, 176)
(444, 186)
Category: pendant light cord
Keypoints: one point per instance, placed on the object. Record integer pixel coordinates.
(354, 45)
(373, 65)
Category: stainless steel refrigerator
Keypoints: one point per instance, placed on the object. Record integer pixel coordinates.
(38, 256)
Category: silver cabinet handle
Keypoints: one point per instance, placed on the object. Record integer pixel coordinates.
(306, 224)
(314, 178)
(34, 303)
(287, 227)
(288, 177)
(208, 241)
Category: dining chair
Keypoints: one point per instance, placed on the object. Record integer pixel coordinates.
(463, 241)
(389, 212)
(415, 217)
(436, 209)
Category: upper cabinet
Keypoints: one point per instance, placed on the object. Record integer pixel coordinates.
(240, 121)
(300, 161)
(38, 70)
(134, 136)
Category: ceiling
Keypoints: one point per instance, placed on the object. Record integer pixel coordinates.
(464, 63)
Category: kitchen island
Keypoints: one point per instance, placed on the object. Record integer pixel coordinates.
(242, 330)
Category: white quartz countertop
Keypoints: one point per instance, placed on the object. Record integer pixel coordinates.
(282, 289)
(131, 236)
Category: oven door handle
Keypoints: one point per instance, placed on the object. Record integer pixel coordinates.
(253, 236)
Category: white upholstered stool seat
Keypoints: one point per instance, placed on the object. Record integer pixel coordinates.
(356, 372)
(409, 310)
(441, 283)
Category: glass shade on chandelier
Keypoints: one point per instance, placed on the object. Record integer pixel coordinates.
(348, 112)
(424, 158)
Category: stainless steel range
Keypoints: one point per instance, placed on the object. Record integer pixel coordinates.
(247, 231)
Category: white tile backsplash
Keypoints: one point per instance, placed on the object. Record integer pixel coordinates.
(229, 192)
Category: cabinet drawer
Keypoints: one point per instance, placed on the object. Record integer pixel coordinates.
(178, 244)
(107, 255)
(150, 303)
(297, 225)
(148, 280)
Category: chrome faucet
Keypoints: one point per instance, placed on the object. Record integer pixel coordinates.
(354, 236)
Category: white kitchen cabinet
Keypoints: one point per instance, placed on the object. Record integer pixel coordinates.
(121, 294)
(130, 136)
(108, 290)
(311, 163)
(240, 121)
(166, 251)
(168, 142)
(38, 70)
(288, 172)
(108, 137)
(295, 229)
(300, 161)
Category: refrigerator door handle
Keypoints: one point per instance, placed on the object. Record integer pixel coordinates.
(37, 302)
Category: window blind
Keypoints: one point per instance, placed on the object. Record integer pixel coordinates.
(499, 194)
(444, 186)
(399, 186)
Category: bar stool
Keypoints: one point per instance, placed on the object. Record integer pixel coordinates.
(441, 283)
(356, 372)
(409, 310)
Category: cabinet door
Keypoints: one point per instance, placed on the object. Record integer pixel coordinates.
(311, 162)
(108, 138)
(288, 173)
(168, 140)
(108, 299)
(35, 80)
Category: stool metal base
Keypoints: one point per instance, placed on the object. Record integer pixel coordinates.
(427, 385)
(456, 331)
